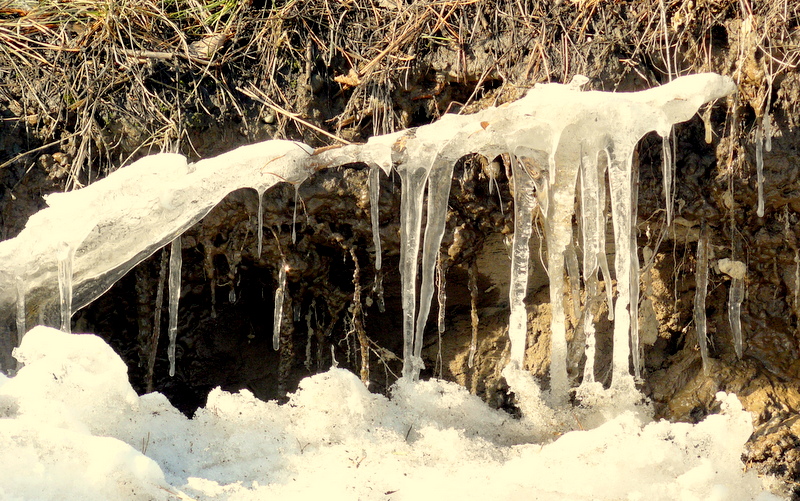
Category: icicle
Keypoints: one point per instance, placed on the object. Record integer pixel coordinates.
(65, 254)
(619, 176)
(441, 284)
(767, 124)
(294, 214)
(760, 170)
(634, 277)
(260, 219)
(175, 264)
(374, 213)
(701, 280)
(574, 276)
(19, 283)
(668, 169)
(280, 292)
(735, 297)
(413, 179)
(593, 233)
(439, 181)
(564, 165)
(473, 294)
(602, 224)
(524, 204)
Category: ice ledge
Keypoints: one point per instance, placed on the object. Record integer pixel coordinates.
(119, 221)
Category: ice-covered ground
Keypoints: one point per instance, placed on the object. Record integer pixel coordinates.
(71, 427)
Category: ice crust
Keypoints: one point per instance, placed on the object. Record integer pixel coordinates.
(554, 134)
(78, 431)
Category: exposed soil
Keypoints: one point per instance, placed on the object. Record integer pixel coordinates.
(451, 57)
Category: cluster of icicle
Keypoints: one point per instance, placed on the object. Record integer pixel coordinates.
(562, 142)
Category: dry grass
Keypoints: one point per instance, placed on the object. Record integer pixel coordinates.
(105, 82)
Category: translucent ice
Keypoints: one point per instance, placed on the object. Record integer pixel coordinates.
(760, 169)
(65, 255)
(735, 298)
(524, 204)
(701, 279)
(175, 265)
(374, 214)
(260, 220)
(19, 283)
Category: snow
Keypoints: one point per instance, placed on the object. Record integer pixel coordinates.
(77, 430)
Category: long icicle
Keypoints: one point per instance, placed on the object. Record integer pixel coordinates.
(413, 179)
(65, 255)
(701, 282)
(439, 181)
(735, 298)
(175, 265)
(524, 204)
(619, 176)
(760, 169)
(294, 213)
(374, 213)
(593, 233)
(260, 220)
(602, 224)
(19, 284)
(634, 277)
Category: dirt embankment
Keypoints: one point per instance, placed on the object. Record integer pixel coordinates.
(87, 90)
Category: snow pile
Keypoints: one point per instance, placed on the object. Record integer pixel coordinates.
(76, 430)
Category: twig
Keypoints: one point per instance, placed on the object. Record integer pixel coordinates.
(266, 101)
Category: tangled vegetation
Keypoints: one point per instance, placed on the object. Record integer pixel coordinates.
(101, 83)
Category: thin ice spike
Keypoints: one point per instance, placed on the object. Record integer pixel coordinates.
(760, 169)
(701, 289)
(175, 265)
(260, 220)
(374, 213)
(19, 284)
(65, 256)
(439, 181)
(294, 213)
(735, 298)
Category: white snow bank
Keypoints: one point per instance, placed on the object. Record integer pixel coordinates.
(71, 427)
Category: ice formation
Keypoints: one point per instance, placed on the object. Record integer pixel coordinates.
(554, 135)
(737, 271)
(175, 265)
(700, 292)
